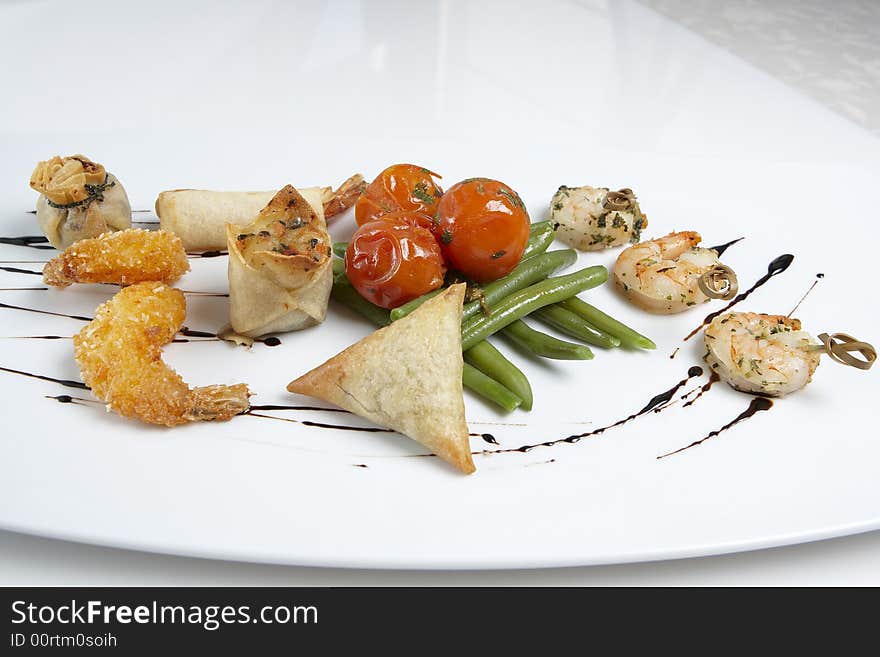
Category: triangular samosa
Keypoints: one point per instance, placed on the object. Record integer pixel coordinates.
(407, 377)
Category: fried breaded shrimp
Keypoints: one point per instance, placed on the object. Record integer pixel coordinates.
(120, 358)
(123, 257)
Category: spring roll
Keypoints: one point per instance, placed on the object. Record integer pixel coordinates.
(280, 269)
(198, 217)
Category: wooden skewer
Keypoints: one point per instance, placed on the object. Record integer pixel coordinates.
(719, 283)
(841, 347)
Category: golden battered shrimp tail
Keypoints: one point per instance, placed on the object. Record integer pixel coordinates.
(123, 258)
(217, 402)
(120, 358)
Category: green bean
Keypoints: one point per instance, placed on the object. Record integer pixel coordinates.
(343, 292)
(339, 249)
(571, 324)
(338, 266)
(540, 238)
(628, 337)
(539, 226)
(409, 306)
(487, 387)
(486, 358)
(544, 345)
(524, 274)
(527, 300)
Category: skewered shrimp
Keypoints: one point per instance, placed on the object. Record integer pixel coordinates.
(663, 275)
(764, 354)
(120, 358)
(595, 218)
(123, 257)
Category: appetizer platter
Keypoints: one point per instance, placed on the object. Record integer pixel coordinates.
(371, 346)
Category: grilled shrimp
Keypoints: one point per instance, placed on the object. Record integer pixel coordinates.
(120, 358)
(763, 354)
(663, 275)
(595, 218)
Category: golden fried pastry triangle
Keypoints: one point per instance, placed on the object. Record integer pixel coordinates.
(407, 377)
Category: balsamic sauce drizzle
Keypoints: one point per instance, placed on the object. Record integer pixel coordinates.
(46, 312)
(67, 399)
(777, 266)
(30, 241)
(756, 405)
(16, 270)
(65, 382)
(285, 407)
(322, 425)
(656, 404)
(806, 294)
(207, 254)
(713, 379)
(271, 341)
(721, 248)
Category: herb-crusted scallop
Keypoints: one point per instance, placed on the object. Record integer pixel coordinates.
(596, 218)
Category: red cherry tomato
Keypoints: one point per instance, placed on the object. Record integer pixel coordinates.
(483, 227)
(391, 261)
(412, 218)
(399, 187)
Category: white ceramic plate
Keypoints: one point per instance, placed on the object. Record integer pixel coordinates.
(743, 157)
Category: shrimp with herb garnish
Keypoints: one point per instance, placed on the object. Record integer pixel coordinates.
(762, 354)
(596, 218)
(663, 275)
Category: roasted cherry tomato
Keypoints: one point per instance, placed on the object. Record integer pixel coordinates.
(412, 218)
(483, 227)
(399, 187)
(391, 261)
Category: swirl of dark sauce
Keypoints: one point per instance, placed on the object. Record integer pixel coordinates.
(755, 406)
(777, 266)
(656, 404)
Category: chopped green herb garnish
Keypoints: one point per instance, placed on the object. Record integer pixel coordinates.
(512, 197)
(420, 191)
